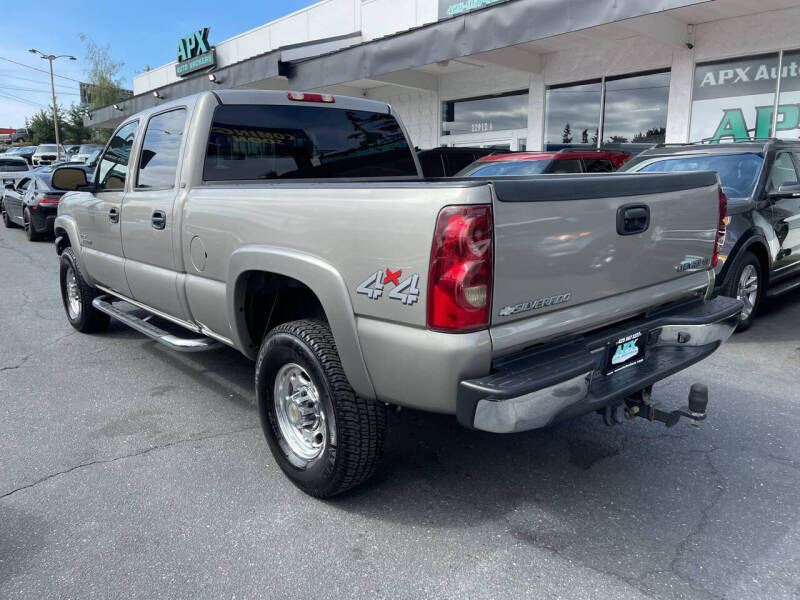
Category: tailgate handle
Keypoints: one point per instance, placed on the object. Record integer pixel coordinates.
(632, 219)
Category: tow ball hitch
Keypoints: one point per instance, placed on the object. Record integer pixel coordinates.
(641, 405)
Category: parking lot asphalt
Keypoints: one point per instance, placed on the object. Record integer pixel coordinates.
(130, 471)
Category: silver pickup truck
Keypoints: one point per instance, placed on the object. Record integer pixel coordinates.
(297, 228)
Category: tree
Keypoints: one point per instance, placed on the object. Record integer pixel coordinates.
(41, 126)
(566, 137)
(103, 74)
(75, 132)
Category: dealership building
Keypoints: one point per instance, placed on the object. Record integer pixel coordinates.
(517, 74)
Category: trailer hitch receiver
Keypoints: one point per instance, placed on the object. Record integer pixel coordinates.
(642, 405)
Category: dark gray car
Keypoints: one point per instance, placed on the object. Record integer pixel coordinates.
(32, 204)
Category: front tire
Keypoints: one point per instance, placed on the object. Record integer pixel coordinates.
(324, 437)
(745, 282)
(77, 296)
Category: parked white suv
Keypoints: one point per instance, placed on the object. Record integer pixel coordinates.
(84, 152)
(46, 154)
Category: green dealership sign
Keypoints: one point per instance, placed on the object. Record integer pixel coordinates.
(195, 53)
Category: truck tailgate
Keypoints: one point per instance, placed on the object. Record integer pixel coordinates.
(563, 241)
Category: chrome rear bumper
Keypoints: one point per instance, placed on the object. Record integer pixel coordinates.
(538, 387)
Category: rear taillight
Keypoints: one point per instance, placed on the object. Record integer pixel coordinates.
(719, 239)
(460, 278)
(306, 97)
(49, 200)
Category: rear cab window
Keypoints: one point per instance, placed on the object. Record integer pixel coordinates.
(276, 142)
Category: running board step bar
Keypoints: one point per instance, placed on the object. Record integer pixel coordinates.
(782, 288)
(103, 304)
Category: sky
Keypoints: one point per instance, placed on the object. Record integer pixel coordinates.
(145, 35)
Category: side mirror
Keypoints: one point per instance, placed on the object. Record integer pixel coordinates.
(9, 186)
(790, 189)
(68, 178)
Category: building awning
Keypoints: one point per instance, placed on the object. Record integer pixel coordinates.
(245, 73)
(498, 26)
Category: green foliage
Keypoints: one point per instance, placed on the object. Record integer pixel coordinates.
(103, 74)
(71, 129)
(41, 127)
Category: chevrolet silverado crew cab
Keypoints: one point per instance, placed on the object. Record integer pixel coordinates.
(297, 228)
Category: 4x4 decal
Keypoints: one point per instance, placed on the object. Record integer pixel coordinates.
(406, 291)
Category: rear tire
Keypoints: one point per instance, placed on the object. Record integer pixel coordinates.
(745, 282)
(6, 219)
(30, 230)
(324, 437)
(77, 296)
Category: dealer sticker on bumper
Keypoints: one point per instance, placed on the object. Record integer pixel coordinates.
(625, 352)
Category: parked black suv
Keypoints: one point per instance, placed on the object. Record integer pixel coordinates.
(446, 162)
(761, 254)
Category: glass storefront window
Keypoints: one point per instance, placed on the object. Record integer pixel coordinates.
(572, 114)
(788, 122)
(734, 99)
(636, 109)
(484, 115)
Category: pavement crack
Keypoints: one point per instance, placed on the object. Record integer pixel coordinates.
(125, 456)
(683, 546)
(25, 358)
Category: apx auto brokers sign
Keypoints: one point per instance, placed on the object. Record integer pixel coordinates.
(195, 53)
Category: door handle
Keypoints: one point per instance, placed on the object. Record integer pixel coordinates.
(159, 219)
(113, 215)
(632, 219)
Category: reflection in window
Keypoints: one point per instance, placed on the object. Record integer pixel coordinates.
(304, 142)
(572, 114)
(636, 109)
(482, 115)
(734, 99)
(737, 172)
(162, 142)
(114, 164)
(788, 122)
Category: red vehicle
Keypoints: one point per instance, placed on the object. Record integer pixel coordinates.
(534, 163)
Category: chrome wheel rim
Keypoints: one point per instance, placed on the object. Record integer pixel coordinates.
(301, 418)
(26, 223)
(747, 290)
(73, 295)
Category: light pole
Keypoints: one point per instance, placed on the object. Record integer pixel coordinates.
(50, 58)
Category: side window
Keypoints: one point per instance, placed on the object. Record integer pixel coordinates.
(162, 143)
(567, 165)
(598, 165)
(783, 171)
(113, 167)
(23, 185)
